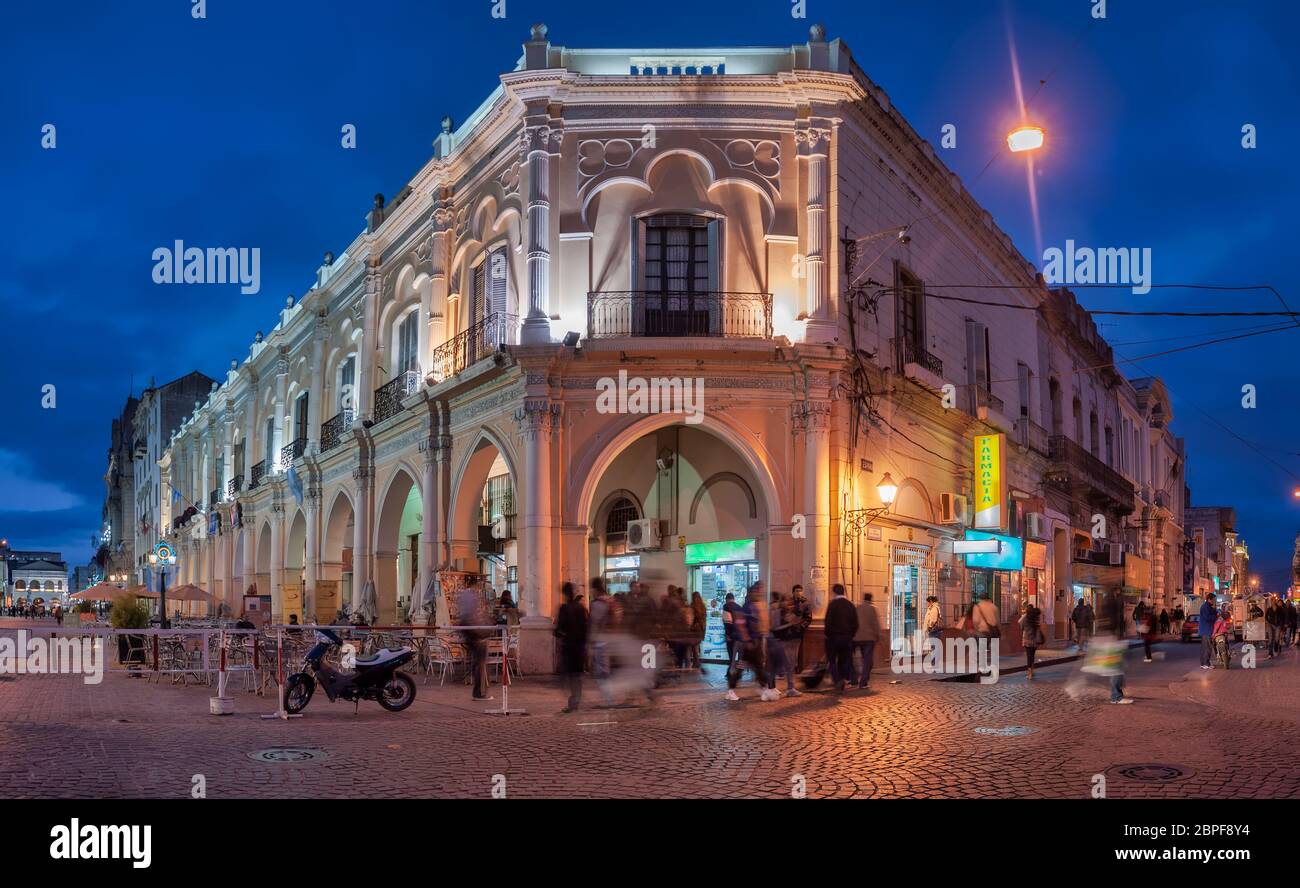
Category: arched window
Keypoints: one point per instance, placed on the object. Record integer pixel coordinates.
(407, 347)
(621, 512)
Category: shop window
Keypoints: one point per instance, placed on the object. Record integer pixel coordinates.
(622, 512)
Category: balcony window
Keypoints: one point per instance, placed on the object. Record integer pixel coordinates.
(679, 273)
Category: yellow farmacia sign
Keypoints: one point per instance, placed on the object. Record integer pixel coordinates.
(991, 481)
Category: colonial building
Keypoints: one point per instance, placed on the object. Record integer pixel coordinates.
(33, 575)
(700, 317)
(157, 416)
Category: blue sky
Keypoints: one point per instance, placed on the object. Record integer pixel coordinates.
(226, 131)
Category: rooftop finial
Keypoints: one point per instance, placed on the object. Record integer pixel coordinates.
(539, 31)
(817, 33)
(288, 301)
(379, 201)
(446, 124)
(329, 258)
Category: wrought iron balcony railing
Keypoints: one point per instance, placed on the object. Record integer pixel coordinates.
(291, 451)
(911, 353)
(1086, 474)
(479, 341)
(388, 397)
(616, 313)
(985, 398)
(1032, 435)
(259, 472)
(236, 484)
(332, 432)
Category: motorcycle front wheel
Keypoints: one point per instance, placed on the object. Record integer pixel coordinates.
(398, 693)
(297, 692)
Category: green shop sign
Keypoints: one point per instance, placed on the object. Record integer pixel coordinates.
(715, 553)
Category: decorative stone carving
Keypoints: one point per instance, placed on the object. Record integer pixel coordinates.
(760, 156)
(538, 416)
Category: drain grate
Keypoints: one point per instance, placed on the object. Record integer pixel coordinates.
(1007, 731)
(1150, 772)
(288, 755)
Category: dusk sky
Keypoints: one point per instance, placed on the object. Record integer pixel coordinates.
(226, 131)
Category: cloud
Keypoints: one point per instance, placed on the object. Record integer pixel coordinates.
(20, 491)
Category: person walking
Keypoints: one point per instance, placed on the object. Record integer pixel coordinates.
(841, 626)
(985, 620)
(1164, 621)
(783, 620)
(730, 612)
(1144, 623)
(751, 627)
(1291, 617)
(803, 611)
(1111, 623)
(864, 640)
(471, 611)
(1179, 616)
(1207, 617)
(699, 621)
(571, 630)
(1031, 636)
(933, 617)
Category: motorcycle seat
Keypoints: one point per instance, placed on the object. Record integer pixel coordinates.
(381, 656)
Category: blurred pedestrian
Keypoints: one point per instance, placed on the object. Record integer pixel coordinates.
(471, 611)
(1110, 622)
(699, 623)
(803, 611)
(933, 617)
(841, 626)
(571, 630)
(1031, 636)
(985, 619)
(780, 644)
(1082, 619)
(866, 636)
(1206, 619)
(730, 611)
(751, 628)
(1164, 621)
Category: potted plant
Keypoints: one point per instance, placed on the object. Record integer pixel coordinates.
(129, 613)
(85, 612)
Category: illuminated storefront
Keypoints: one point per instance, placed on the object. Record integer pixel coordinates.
(716, 569)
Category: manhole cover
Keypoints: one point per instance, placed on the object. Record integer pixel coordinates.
(288, 755)
(1151, 772)
(1007, 731)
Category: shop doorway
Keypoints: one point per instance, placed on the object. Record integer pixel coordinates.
(714, 582)
(909, 586)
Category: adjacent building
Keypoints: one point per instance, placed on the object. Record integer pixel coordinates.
(701, 317)
(33, 577)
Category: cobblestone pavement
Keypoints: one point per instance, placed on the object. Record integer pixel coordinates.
(1230, 734)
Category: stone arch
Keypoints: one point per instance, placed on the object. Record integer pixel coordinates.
(718, 478)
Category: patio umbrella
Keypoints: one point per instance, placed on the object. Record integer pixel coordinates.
(425, 606)
(100, 592)
(188, 592)
(368, 609)
(142, 592)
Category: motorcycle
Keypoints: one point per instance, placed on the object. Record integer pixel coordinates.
(375, 677)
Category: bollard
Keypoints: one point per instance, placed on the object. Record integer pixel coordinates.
(505, 678)
(220, 704)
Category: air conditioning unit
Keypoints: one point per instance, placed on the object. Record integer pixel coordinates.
(952, 508)
(1116, 552)
(643, 533)
(1035, 526)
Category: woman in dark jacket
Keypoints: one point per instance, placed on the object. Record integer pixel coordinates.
(571, 630)
(1031, 635)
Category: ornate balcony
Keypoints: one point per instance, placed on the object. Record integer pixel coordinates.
(259, 472)
(236, 484)
(1030, 434)
(618, 313)
(332, 432)
(1087, 477)
(469, 346)
(910, 353)
(985, 398)
(291, 451)
(388, 397)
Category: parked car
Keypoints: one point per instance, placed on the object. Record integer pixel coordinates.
(1191, 628)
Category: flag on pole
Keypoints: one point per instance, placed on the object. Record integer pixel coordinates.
(295, 484)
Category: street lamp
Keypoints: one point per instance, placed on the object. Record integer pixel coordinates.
(887, 490)
(856, 521)
(1026, 138)
(161, 556)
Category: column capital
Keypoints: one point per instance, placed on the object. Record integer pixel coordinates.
(538, 416)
